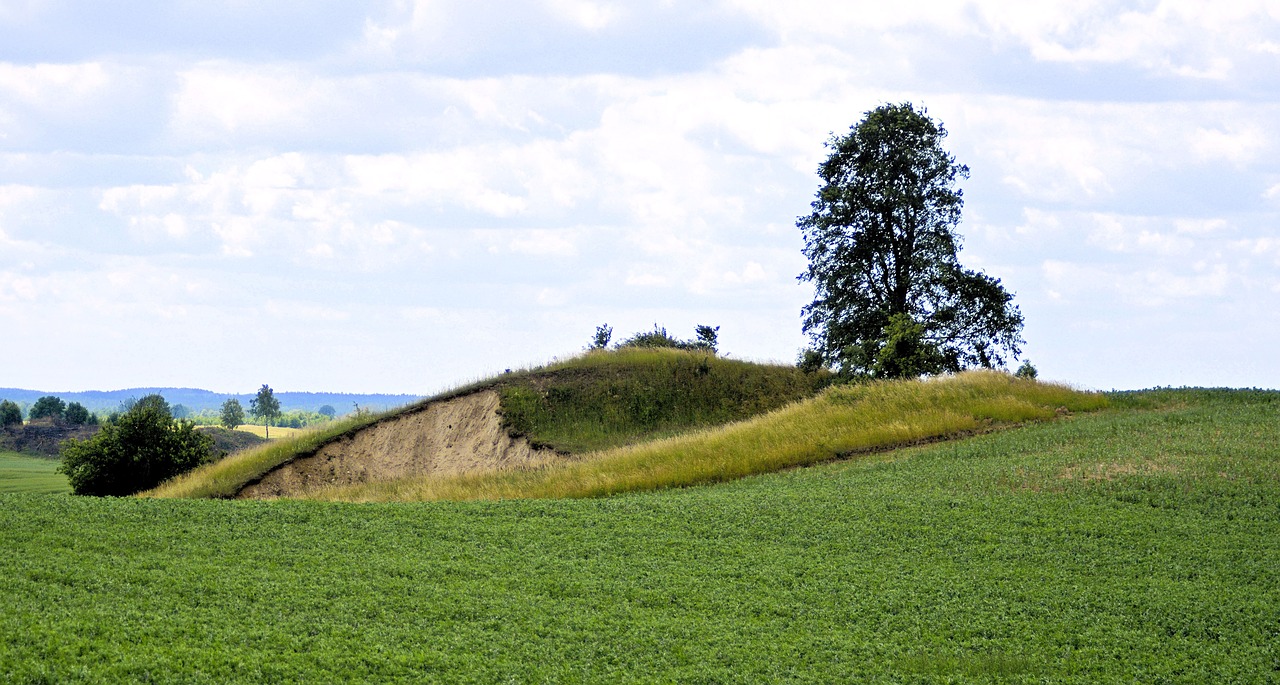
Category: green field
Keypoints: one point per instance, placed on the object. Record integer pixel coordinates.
(1136, 544)
(22, 473)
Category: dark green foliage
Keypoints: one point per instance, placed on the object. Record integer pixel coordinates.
(265, 407)
(1026, 370)
(76, 414)
(810, 361)
(233, 414)
(905, 353)
(327, 411)
(633, 394)
(705, 339)
(10, 414)
(658, 337)
(154, 401)
(604, 333)
(180, 411)
(47, 407)
(882, 241)
(978, 561)
(142, 448)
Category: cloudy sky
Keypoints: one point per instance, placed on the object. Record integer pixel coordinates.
(397, 196)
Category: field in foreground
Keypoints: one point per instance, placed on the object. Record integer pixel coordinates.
(1136, 544)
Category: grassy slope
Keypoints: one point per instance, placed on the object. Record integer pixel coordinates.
(602, 400)
(22, 473)
(595, 400)
(839, 421)
(1128, 545)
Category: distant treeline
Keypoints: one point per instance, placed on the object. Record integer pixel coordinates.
(103, 402)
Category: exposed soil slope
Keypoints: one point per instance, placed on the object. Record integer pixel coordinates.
(460, 435)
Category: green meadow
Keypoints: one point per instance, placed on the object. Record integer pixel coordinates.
(1137, 543)
(22, 473)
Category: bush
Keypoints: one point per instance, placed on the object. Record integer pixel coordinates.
(10, 414)
(705, 340)
(142, 448)
(1026, 370)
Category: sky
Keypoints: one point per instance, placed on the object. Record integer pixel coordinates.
(400, 196)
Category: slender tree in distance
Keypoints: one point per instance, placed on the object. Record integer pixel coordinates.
(232, 414)
(892, 299)
(265, 407)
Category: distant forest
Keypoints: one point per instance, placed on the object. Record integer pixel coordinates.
(105, 401)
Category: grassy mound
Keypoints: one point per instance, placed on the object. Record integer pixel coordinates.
(842, 420)
(594, 401)
(608, 399)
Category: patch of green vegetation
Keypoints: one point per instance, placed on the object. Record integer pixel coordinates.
(607, 399)
(1118, 546)
(23, 473)
(843, 420)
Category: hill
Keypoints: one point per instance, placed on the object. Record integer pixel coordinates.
(515, 420)
(1137, 543)
(620, 421)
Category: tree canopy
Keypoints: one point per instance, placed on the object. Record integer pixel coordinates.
(47, 407)
(882, 248)
(232, 414)
(10, 414)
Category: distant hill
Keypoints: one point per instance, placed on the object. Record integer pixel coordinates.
(101, 401)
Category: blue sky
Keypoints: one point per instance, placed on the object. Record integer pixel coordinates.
(399, 196)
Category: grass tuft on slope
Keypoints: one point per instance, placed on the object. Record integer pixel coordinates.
(841, 421)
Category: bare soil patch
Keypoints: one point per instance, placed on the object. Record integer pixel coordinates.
(460, 435)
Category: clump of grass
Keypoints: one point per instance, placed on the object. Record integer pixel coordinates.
(841, 421)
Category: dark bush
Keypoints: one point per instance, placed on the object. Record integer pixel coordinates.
(76, 414)
(10, 414)
(140, 449)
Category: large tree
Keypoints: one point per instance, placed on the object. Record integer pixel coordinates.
(882, 248)
(265, 407)
(47, 407)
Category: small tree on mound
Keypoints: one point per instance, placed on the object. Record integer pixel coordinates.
(142, 448)
(232, 414)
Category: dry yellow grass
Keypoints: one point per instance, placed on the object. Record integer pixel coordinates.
(277, 432)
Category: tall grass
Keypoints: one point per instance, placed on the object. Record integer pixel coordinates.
(840, 421)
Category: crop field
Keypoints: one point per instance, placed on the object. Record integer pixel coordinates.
(1140, 543)
(277, 432)
(21, 473)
